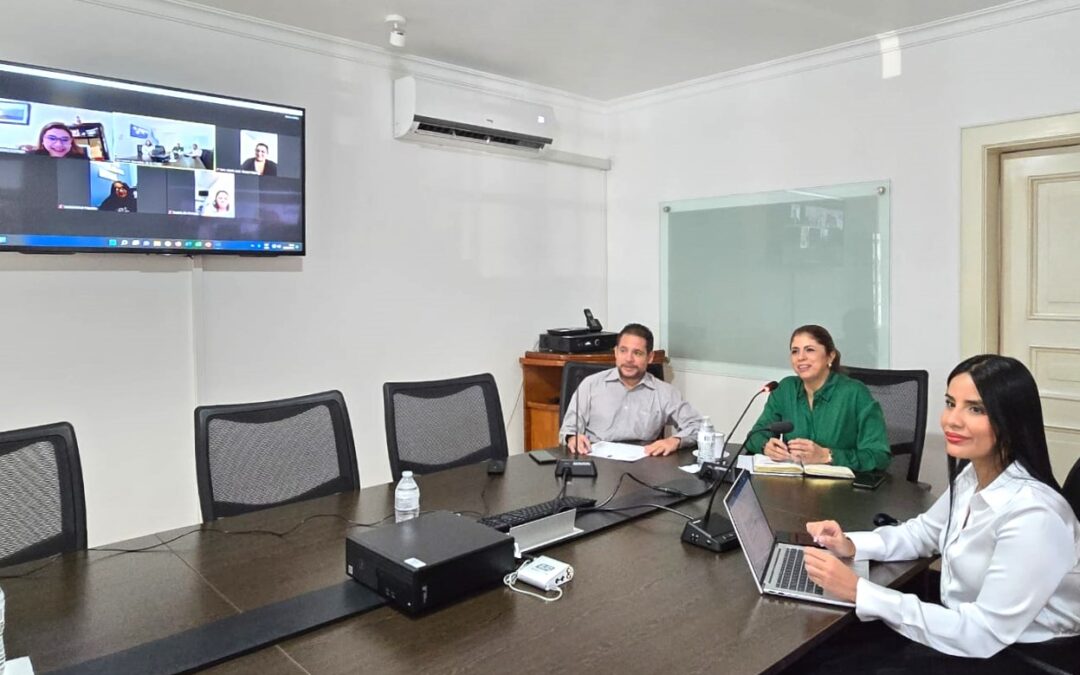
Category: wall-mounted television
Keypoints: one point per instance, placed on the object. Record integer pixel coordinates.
(94, 164)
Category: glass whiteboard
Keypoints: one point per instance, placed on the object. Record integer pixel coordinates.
(739, 273)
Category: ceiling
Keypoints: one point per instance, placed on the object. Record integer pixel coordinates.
(606, 49)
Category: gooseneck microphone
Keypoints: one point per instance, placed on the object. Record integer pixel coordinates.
(767, 387)
(576, 466)
(716, 533)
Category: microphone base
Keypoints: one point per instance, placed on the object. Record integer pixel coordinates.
(578, 468)
(711, 471)
(714, 534)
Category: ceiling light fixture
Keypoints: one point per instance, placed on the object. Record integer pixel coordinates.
(397, 29)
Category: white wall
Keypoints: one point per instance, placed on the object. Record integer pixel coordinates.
(422, 263)
(837, 123)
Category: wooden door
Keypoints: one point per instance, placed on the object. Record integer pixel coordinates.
(1040, 285)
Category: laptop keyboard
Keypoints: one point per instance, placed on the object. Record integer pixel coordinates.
(793, 573)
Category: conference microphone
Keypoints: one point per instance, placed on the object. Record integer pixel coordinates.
(716, 533)
(707, 468)
(576, 466)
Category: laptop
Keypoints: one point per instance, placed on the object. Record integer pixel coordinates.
(775, 558)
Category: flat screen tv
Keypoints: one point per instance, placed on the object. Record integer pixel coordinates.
(94, 164)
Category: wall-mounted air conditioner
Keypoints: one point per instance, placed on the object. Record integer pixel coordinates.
(436, 112)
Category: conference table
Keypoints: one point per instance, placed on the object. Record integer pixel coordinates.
(641, 600)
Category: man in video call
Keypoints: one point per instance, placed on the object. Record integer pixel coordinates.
(626, 403)
(259, 163)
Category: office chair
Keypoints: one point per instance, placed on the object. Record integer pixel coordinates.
(440, 424)
(1071, 488)
(252, 456)
(1060, 656)
(902, 395)
(42, 505)
(576, 371)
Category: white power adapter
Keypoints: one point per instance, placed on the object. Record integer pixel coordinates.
(546, 573)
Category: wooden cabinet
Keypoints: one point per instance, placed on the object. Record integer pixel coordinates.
(542, 374)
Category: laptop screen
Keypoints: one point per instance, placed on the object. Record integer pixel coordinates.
(755, 535)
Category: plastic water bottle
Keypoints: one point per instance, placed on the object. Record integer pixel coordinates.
(706, 437)
(406, 498)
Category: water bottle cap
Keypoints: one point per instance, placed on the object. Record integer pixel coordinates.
(406, 474)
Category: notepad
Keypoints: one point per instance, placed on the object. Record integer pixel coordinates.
(764, 465)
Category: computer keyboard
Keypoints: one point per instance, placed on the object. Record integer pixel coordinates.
(793, 577)
(526, 514)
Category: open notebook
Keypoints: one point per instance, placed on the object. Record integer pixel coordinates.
(764, 465)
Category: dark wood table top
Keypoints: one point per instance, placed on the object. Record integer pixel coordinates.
(641, 600)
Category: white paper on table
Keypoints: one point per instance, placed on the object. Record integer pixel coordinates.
(19, 666)
(621, 452)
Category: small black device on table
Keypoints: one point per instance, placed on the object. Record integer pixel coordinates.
(543, 456)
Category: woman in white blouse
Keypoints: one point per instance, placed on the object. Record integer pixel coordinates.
(1009, 542)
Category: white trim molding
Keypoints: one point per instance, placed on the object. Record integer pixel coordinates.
(864, 48)
(244, 26)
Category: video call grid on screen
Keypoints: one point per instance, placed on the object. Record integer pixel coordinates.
(87, 159)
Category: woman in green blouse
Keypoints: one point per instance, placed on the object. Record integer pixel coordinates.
(836, 419)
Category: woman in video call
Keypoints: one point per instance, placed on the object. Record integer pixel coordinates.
(56, 140)
(836, 419)
(220, 207)
(121, 199)
(1009, 545)
(259, 163)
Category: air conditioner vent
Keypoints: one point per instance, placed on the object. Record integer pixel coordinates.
(479, 134)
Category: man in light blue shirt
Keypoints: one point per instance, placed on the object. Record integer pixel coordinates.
(626, 403)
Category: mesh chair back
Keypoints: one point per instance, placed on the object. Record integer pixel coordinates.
(42, 506)
(1071, 488)
(255, 455)
(576, 371)
(902, 395)
(440, 424)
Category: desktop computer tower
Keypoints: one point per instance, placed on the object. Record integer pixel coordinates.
(429, 561)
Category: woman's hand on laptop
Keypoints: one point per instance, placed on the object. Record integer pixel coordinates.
(827, 571)
(827, 533)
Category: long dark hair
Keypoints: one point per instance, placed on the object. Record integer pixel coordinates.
(822, 337)
(1011, 399)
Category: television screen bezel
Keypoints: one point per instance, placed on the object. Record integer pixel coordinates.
(259, 253)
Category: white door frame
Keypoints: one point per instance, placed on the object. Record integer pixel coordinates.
(980, 218)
